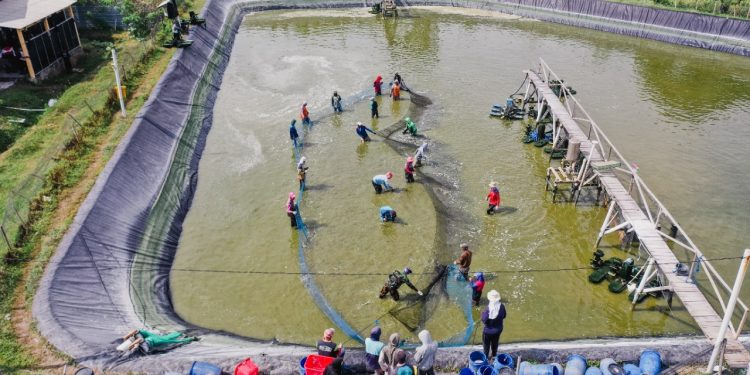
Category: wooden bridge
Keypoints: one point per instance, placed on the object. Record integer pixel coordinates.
(637, 213)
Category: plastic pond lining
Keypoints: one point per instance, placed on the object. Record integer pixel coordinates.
(93, 291)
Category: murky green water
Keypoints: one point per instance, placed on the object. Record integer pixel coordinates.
(680, 113)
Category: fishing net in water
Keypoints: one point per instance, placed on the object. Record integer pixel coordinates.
(413, 311)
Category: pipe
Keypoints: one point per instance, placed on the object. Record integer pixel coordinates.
(730, 308)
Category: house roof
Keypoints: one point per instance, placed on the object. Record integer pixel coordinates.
(17, 14)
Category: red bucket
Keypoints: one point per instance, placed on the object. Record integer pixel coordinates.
(316, 364)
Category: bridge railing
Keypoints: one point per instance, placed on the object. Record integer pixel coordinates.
(656, 212)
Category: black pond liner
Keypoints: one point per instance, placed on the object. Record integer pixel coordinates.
(111, 270)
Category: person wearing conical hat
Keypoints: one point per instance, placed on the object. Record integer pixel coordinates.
(493, 198)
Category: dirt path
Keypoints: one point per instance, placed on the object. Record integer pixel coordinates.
(48, 359)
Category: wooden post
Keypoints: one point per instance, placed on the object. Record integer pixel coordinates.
(25, 52)
(75, 27)
(5, 236)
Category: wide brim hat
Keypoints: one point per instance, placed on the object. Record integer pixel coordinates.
(493, 184)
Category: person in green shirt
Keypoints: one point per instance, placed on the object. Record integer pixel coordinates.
(410, 127)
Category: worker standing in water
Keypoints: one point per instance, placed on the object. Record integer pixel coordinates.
(409, 170)
(397, 79)
(464, 261)
(387, 214)
(411, 127)
(291, 209)
(420, 154)
(302, 172)
(493, 198)
(477, 285)
(395, 280)
(396, 91)
(377, 85)
(305, 115)
(380, 182)
(293, 133)
(374, 108)
(362, 132)
(336, 102)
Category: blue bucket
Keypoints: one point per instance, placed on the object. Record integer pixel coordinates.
(302, 365)
(527, 368)
(476, 360)
(503, 360)
(650, 362)
(203, 368)
(466, 371)
(486, 370)
(631, 369)
(576, 365)
(593, 371)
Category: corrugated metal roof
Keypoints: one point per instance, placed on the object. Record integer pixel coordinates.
(17, 14)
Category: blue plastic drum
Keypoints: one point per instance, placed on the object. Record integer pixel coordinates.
(576, 365)
(650, 362)
(631, 369)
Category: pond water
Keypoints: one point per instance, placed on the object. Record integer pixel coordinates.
(680, 113)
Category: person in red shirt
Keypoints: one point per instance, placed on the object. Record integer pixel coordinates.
(493, 197)
(305, 115)
(477, 285)
(378, 82)
(409, 169)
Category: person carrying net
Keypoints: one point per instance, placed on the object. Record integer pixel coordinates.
(411, 127)
(395, 280)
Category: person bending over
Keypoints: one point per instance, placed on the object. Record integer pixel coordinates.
(395, 280)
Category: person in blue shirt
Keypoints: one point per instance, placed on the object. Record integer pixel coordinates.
(362, 132)
(373, 346)
(293, 133)
(387, 214)
(336, 102)
(380, 182)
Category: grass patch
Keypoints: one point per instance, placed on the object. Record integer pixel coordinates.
(70, 155)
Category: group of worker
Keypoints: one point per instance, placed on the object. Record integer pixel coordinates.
(390, 359)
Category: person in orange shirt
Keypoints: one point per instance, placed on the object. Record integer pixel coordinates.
(305, 115)
(396, 91)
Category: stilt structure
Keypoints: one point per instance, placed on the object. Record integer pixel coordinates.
(633, 210)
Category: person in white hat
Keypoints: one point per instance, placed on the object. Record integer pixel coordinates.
(492, 317)
(493, 197)
(362, 130)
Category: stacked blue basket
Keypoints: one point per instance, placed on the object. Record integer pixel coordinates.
(476, 360)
